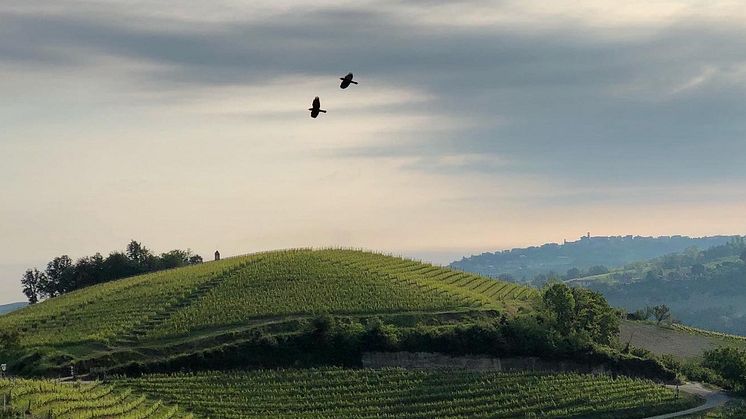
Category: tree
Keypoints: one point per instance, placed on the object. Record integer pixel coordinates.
(661, 313)
(140, 255)
(729, 362)
(32, 282)
(594, 316)
(558, 299)
(60, 276)
(89, 271)
(177, 258)
(118, 265)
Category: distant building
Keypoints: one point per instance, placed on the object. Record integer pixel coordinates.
(217, 255)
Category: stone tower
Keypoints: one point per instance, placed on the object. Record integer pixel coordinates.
(217, 255)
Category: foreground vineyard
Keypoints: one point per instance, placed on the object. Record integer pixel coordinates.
(49, 399)
(396, 393)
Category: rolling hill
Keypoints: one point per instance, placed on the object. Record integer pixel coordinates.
(704, 289)
(7, 308)
(189, 309)
(292, 311)
(523, 264)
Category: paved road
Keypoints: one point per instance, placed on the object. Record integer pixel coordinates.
(714, 398)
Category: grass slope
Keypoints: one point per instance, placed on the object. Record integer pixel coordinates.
(677, 340)
(189, 308)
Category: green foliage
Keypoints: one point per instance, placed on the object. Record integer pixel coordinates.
(580, 313)
(63, 276)
(705, 289)
(729, 363)
(345, 393)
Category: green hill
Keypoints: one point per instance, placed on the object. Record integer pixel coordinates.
(573, 258)
(185, 310)
(704, 289)
(7, 308)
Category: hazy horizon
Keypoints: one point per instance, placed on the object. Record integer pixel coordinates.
(477, 125)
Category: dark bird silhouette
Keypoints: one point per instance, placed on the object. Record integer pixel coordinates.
(316, 108)
(346, 80)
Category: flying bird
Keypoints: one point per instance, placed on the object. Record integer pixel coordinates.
(346, 80)
(316, 108)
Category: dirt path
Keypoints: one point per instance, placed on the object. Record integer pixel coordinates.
(713, 399)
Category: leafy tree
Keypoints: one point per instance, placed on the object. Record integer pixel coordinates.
(729, 362)
(89, 270)
(559, 301)
(138, 253)
(60, 276)
(32, 282)
(661, 313)
(118, 265)
(177, 258)
(594, 316)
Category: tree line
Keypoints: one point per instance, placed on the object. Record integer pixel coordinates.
(62, 275)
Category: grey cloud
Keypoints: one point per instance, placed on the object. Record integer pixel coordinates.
(561, 93)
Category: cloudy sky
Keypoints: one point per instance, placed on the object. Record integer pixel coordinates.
(477, 125)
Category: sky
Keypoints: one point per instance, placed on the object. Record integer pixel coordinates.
(476, 126)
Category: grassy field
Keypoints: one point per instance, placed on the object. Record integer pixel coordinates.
(396, 393)
(51, 399)
(680, 341)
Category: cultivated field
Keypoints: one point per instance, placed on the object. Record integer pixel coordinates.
(396, 393)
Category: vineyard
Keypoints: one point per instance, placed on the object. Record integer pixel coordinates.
(397, 393)
(236, 290)
(337, 282)
(50, 399)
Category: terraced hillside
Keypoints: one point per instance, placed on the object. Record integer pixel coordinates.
(396, 393)
(134, 318)
(50, 399)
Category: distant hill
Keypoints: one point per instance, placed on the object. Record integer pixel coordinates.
(598, 251)
(7, 308)
(705, 289)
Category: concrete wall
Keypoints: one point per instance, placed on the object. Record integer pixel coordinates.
(426, 360)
